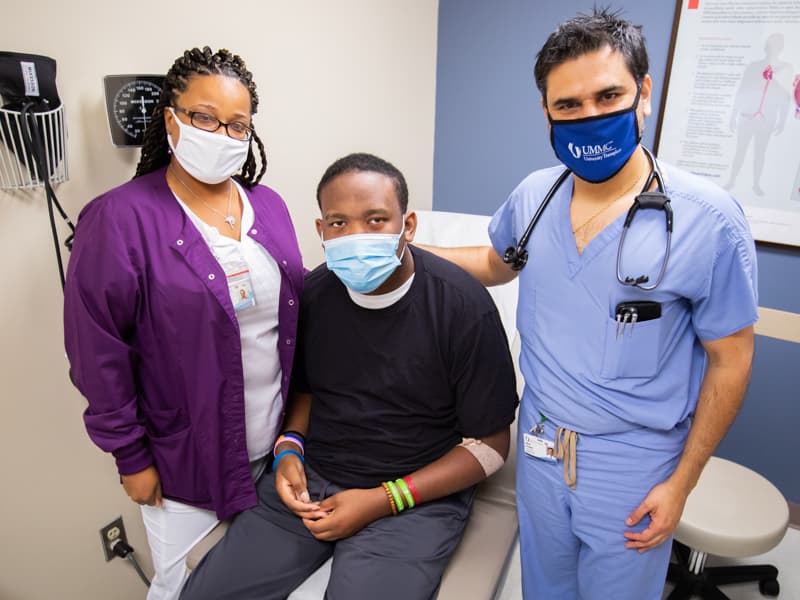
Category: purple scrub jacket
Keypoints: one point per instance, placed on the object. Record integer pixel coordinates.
(153, 340)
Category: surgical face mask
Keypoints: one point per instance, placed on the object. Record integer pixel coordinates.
(208, 157)
(364, 261)
(596, 148)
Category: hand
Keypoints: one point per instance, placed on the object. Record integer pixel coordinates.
(664, 504)
(144, 487)
(290, 483)
(348, 513)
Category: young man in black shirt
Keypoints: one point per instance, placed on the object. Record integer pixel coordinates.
(402, 396)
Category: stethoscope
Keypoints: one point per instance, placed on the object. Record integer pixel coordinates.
(517, 256)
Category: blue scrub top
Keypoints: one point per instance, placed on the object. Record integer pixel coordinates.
(577, 371)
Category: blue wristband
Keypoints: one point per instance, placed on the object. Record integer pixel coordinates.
(283, 453)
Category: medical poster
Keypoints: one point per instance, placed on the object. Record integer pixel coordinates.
(732, 111)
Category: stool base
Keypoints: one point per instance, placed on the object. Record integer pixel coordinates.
(704, 581)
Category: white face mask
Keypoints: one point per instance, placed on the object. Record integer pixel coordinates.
(208, 157)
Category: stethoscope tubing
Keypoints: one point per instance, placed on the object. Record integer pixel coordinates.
(517, 256)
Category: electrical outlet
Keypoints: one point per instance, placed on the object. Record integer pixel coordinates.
(110, 534)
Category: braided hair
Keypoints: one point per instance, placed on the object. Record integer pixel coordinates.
(155, 150)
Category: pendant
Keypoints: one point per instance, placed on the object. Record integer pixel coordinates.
(230, 220)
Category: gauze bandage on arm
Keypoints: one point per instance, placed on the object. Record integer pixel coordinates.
(489, 458)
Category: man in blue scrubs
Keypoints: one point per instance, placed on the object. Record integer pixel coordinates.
(619, 415)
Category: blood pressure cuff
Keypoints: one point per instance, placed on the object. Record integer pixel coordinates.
(28, 78)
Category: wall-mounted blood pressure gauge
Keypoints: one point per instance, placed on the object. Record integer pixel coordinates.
(130, 100)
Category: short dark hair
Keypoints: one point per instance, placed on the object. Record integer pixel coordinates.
(587, 33)
(363, 162)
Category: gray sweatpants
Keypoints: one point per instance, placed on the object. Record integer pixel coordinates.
(267, 551)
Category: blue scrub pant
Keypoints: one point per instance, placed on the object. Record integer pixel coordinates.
(571, 541)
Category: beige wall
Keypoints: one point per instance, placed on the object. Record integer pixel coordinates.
(333, 77)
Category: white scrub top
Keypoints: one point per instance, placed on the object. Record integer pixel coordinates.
(258, 327)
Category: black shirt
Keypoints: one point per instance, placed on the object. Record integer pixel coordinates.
(396, 388)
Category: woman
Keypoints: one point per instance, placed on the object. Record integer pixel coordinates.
(181, 311)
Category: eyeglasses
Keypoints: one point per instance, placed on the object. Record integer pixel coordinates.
(204, 121)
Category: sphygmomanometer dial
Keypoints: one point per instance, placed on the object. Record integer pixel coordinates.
(130, 101)
(133, 106)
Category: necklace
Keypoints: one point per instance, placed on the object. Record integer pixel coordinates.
(227, 217)
(606, 206)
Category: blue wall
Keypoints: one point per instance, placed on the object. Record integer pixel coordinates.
(491, 132)
(766, 434)
(490, 128)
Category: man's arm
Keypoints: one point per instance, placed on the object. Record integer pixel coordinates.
(721, 395)
(290, 475)
(352, 510)
(458, 469)
(482, 262)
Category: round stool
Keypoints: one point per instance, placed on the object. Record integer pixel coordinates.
(732, 512)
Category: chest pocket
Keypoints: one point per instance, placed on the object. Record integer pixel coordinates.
(634, 351)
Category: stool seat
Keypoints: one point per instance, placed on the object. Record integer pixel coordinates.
(733, 512)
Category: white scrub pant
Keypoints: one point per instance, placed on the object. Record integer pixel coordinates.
(571, 541)
(172, 530)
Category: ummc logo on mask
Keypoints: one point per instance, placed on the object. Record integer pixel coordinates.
(593, 152)
(596, 148)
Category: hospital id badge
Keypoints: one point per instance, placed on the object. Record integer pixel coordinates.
(538, 447)
(240, 287)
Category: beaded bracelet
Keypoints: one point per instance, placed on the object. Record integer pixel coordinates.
(401, 485)
(398, 499)
(412, 488)
(389, 496)
(283, 453)
(291, 438)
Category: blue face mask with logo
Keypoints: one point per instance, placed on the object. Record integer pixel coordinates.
(363, 261)
(596, 148)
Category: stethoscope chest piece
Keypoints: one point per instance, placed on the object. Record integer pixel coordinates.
(515, 257)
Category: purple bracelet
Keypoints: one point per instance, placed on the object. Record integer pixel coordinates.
(289, 437)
